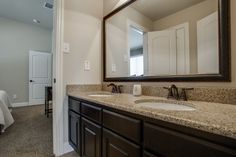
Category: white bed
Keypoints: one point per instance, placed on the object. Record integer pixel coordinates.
(6, 118)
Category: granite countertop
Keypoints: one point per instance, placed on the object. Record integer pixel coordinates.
(211, 117)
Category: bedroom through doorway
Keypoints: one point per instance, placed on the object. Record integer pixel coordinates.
(26, 67)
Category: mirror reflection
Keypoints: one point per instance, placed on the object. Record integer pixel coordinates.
(163, 37)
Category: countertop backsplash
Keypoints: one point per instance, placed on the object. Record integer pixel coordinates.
(207, 94)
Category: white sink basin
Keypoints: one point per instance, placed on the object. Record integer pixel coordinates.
(101, 95)
(164, 105)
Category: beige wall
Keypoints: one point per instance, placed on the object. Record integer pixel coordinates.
(82, 30)
(16, 39)
(190, 15)
(233, 56)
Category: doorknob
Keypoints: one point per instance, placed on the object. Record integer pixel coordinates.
(31, 80)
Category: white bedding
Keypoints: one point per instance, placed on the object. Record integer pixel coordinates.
(6, 118)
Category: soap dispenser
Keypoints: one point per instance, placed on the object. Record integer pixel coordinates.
(137, 90)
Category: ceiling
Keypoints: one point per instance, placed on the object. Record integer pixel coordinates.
(27, 10)
(157, 9)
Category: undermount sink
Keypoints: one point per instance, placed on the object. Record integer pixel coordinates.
(101, 94)
(164, 105)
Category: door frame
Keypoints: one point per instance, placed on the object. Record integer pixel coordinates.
(204, 20)
(57, 42)
(187, 46)
(31, 102)
(129, 24)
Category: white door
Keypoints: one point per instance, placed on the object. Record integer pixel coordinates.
(207, 44)
(162, 53)
(182, 49)
(40, 67)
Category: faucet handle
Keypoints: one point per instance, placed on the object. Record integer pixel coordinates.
(183, 95)
(119, 88)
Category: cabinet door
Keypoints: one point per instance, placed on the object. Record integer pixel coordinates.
(91, 139)
(171, 143)
(116, 146)
(74, 130)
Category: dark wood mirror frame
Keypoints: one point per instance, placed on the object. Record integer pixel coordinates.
(224, 53)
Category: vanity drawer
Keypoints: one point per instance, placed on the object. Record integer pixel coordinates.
(123, 125)
(175, 144)
(116, 146)
(91, 112)
(74, 105)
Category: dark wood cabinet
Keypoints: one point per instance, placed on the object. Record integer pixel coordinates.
(91, 112)
(74, 105)
(101, 131)
(116, 146)
(123, 125)
(91, 139)
(146, 154)
(170, 143)
(74, 130)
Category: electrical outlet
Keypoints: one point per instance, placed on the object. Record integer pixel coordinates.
(66, 48)
(86, 65)
(14, 96)
(113, 67)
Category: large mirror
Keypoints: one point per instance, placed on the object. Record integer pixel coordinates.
(167, 40)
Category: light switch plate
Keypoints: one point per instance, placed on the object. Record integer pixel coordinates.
(66, 48)
(86, 65)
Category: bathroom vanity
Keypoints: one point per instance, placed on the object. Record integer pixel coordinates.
(154, 41)
(115, 126)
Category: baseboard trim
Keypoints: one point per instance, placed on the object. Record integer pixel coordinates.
(20, 104)
(67, 148)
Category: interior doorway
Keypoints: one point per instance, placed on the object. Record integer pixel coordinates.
(136, 48)
(40, 76)
(27, 57)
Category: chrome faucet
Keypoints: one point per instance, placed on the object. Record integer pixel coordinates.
(115, 88)
(173, 93)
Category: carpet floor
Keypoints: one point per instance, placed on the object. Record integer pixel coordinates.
(71, 154)
(29, 136)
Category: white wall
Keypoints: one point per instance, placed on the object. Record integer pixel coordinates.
(82, 30)
(16, 39)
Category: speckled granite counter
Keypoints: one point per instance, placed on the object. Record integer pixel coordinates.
(211, 117)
